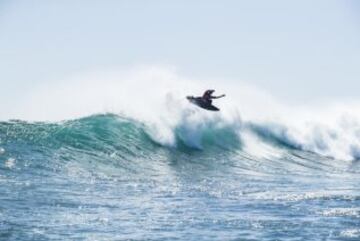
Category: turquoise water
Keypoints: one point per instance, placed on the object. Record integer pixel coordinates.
(106, 177)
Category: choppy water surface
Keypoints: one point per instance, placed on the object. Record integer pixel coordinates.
(105, 177)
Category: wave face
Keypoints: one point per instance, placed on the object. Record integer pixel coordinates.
(109, 177)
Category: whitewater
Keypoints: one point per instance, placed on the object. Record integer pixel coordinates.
(122, 155)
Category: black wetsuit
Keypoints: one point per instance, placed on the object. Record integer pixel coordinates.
(207, 96)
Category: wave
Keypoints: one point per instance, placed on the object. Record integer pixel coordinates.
(149, 109)
(106, 132)
(121, 138)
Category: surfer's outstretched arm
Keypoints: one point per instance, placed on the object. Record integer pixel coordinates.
(218, 97)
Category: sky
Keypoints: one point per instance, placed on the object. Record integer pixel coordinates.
(299, 51)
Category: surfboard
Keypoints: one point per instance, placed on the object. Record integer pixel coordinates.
(198, 101)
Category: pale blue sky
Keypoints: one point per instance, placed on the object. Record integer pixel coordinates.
(297, 50)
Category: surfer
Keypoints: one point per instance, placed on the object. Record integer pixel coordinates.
(207, 96)
(205, 101)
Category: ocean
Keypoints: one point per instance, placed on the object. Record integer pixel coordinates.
(110, 176)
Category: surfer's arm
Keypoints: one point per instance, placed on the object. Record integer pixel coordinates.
(217, 97)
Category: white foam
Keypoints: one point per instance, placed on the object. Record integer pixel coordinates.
(10, 163)
(350, 233)
(352, 212)
(155, 96)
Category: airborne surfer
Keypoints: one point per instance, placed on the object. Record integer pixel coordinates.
(205, 101)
